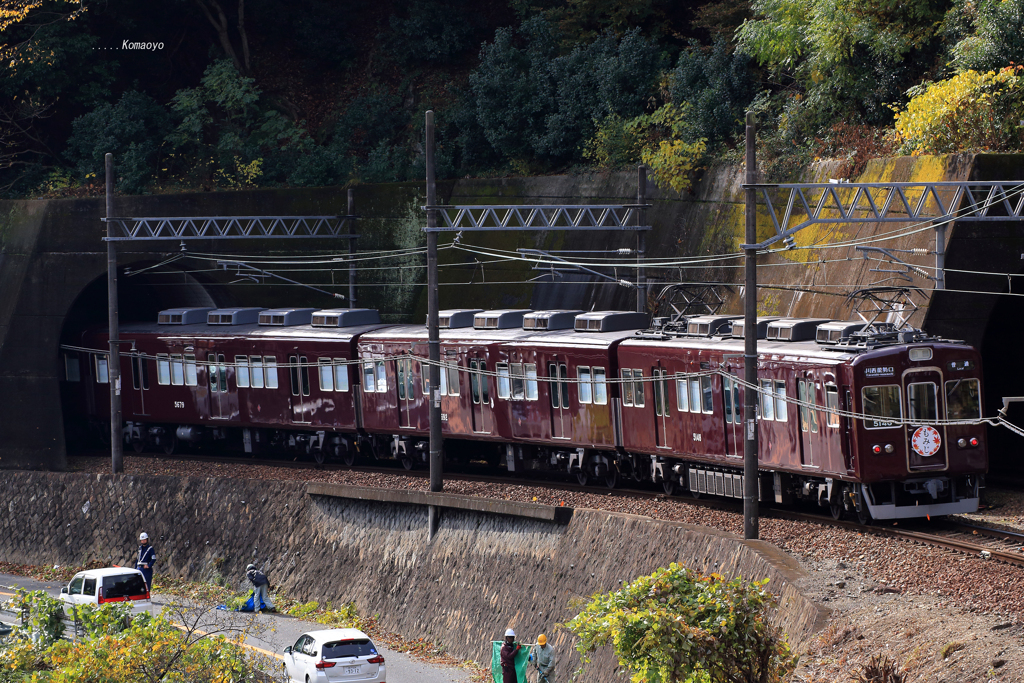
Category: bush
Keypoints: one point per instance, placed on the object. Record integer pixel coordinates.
(970, 111)
(45, 615)
(717, 86)
(429, 32)
(676, 624)
(989, 33)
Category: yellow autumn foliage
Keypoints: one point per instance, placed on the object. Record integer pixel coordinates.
(972, 111)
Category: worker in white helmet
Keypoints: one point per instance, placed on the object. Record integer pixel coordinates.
(508, 658)
(146, 559)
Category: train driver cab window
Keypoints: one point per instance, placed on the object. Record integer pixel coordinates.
(682, 394)
(584, 386)
(923, 402)
(326, 374)
(504, 385)
(627, 387)
(781, 407)
(963, 400)
(72, 371)
(242, 371)
(270, 369)
(341, 376)
(767, 400)
(881, 405)
(191, 371)
(256, 372)
(102, 376)
(600, 387)
(832, 405)
(518, 381)
(531, 381)
(163, 368)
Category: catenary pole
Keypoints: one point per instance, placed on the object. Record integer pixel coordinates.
(433, 334)
(113, 359)
(352, 251)
(641, 239)
(750, 483)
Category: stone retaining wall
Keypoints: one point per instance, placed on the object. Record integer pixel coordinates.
(480, 574)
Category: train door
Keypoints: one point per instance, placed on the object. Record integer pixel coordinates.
(733, 416)
(217, 375)
(140, 382)
(480, 389)
(405, 386)
(807, 396)
(558, 388)
(846, 427)
(298, 371)
(926, 443)
(660, 384)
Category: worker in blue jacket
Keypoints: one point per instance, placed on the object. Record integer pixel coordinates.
(146, 559)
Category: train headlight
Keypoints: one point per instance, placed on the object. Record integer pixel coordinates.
(876, 449)
(889, 448)
(961, 442)
(920, 353)
(974, 441)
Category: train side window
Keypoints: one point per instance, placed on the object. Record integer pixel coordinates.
(341, 376)
(255, 374)
(326, 374)
(682, 405)
(242, 371)
(963, 400)
(563, 383)
(660, 397)
(600, 387)
(727, 383)
(163, 369)
(177, 370)
(136, 372)
(812, 410)
(72, 369)
(442, 371)
(518, 381)
(453, 379)
(102, 376)
(639, 395)
(801, 395)
(883, 403)
(484, 390)
(709, 398)
(584, 387)
(504, 387)
(192, 373)
(270, 369)
(694, 394)
(293, 374)
(369, 383)
(922, 401)
(211, 372)
(304, 374)
(832, 405)
(781, 409)
(382, 378)
(531, 381)
(627, 387)
(474, 381)
(767, 400)
(144, 368)
(222, 372)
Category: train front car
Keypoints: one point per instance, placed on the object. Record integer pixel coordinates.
(918, 448)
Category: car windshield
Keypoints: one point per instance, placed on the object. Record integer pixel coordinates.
(360, 647)
(123, 586)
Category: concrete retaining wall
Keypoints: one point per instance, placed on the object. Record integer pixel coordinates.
(481, 573)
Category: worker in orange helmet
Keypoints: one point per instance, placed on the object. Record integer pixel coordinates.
(544, 658)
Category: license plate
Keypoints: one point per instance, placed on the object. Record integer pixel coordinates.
(349, 670)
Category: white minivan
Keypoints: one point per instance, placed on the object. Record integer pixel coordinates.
(111, 584)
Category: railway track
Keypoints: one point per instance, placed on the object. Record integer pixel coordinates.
(999, 545)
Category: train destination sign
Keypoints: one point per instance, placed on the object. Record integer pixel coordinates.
(880, 371)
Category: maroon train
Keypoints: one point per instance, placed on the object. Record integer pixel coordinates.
(859, 418)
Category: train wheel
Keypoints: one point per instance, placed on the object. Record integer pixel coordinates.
(582, 478)
(348, 456)
(319, 457)
(171, 445)
(863, 514)
(611, 480)
(407, 462)
(138, 445)
(669, 486)
(837, 510)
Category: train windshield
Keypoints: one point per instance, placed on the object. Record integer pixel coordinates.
(923, 402)
(963, 399)
(881, 405)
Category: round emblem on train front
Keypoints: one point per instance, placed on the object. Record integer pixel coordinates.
(926, 441)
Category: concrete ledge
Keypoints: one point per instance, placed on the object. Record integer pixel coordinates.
(549, 513)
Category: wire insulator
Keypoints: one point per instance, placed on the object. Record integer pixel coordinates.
(919, 251)
(625, 283)
(624, 252)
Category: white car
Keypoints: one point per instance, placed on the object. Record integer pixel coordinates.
(340, 654)
(111, 584)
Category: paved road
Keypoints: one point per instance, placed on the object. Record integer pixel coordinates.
(275, 632)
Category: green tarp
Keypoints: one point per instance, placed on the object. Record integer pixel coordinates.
(521, 661)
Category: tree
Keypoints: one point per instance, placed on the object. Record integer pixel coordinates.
(678, 626)
(214, 13)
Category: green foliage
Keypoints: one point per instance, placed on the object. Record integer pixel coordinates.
(304, 609)
(534, 105)
(45, 615)
(717, 86)
(430, 31)
(133, 130)
(970, 111)
(989, 34)
(107, 619)
(677, 625)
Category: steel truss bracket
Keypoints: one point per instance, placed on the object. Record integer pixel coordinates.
(483, 218)
(896, 304)
(840, 202)
(228, 227)
(688, 298)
